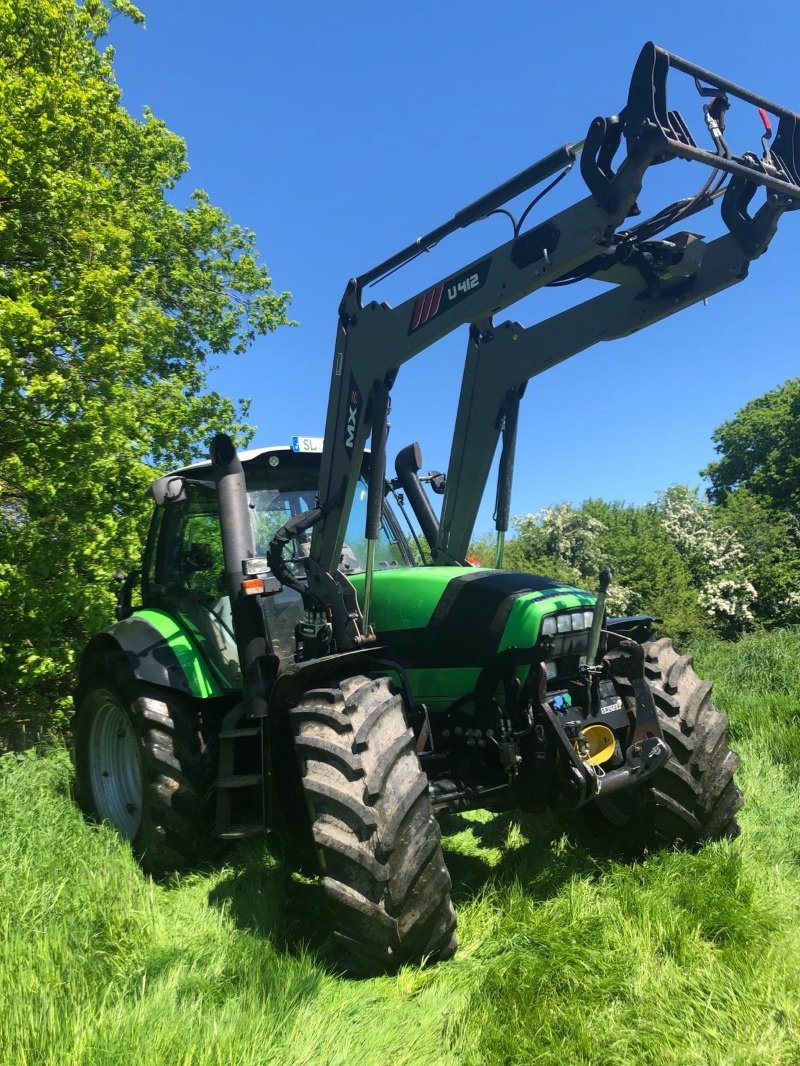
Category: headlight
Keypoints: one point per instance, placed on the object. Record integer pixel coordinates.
(574, 622)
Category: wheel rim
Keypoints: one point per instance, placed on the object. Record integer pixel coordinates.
(115, 769)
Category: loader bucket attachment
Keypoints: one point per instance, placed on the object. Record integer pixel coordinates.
(654, 133)
(648, 118)
(649, 124)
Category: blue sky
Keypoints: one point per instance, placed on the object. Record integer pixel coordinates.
(339, 132)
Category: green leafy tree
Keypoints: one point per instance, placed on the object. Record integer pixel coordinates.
(770, 538)
(756, 481)
(649, 567)
(758, 450)
(111, 301)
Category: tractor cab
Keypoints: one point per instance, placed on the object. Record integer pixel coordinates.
(183, 572)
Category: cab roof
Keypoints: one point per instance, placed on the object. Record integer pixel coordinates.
(280, 462)
(247, 457)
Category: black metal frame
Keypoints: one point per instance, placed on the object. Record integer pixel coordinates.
(501, 360)
(656, 279)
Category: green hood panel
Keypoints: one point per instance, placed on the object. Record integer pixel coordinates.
(407, 599)
(446, 623)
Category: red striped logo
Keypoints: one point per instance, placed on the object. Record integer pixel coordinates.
(426, 306)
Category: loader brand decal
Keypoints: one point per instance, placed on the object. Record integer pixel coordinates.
(447, 294)
(353, 414)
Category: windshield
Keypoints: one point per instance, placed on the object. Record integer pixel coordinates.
(274, 507)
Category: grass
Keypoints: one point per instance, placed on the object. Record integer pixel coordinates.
(567, 954)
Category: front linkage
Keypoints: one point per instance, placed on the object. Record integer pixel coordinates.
(553, 745)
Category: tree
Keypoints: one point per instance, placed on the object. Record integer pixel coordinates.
(757, 482)
(758, 450)
(715, 557)
(572, 544)
(771, 541)
(647, 564)
(111, 300)
(557, 542)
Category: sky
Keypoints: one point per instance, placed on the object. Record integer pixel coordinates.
(340, 132)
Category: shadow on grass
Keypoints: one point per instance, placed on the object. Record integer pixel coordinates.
(539, 852)
(265, 893)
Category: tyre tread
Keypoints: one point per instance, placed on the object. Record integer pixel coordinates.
(693, 798)
(379, 846)
(176, 760)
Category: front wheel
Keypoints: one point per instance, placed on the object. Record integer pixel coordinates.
(693, 798)
(143, 766)
(377, 840)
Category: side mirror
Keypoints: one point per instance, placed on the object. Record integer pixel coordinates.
(437, 481)
(168, 489)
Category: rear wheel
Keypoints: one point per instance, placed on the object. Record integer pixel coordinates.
(377, 840)
(693, 797)
(143, 765)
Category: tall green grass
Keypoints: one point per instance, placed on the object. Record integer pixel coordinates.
(568, 955)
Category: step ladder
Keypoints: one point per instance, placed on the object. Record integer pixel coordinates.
(240, 782)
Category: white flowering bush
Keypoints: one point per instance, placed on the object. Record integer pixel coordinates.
(565, 533)
(574, 538)
(715, 557)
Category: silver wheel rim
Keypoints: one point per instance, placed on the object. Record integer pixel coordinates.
(115, 770)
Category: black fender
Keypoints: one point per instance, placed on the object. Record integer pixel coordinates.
(321, 673)
(638, 627)
(151, 658)
(318, 673)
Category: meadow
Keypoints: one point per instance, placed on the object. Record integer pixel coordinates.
(568, 952)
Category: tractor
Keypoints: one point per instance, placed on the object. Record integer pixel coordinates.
(297, 660)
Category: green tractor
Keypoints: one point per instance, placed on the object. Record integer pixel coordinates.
(297, 661)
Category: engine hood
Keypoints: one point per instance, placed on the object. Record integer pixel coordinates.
(438, 617)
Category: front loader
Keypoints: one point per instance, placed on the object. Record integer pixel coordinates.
(296, 662)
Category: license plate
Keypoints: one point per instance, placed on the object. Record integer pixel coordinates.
(307, 444)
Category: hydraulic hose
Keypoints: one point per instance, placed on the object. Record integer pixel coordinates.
(293, 528)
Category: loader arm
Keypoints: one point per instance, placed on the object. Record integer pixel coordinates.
(374, 340)
(501, 360)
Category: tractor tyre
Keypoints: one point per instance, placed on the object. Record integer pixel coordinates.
(377, 841)
(143, 765)
(693, 798)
